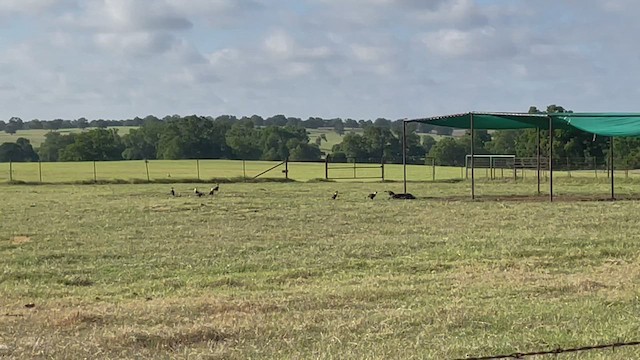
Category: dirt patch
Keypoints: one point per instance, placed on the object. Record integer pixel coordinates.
(20, 239)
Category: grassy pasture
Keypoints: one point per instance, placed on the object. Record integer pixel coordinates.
(280, 271)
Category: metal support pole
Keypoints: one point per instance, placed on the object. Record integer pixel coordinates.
(613, 197)
(550, 158)
(244, 169)
(198, 168)
(40, 170)
(473, 179)
(10, 170)
(538, 157)
(95, 173)
(382, 168)
(326, 167)
(404, 155)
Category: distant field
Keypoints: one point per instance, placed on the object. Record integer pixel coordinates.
(37, 136)
(281, 271)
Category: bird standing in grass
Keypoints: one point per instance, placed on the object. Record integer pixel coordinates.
(214, 189)
(335, 195)
(197, 193)
(372, 195)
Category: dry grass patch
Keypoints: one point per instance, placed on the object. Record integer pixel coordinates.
(19, 239)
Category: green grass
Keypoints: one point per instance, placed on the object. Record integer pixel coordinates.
(281, 271)
(37, 136)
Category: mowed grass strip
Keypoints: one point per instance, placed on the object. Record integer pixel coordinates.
(282, 271)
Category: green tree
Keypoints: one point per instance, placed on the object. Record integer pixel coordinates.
(94, 145)
(244, 140)
(20, 151)
(449, 152)
(53, 144)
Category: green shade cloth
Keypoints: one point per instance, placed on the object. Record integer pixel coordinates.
(604, 124)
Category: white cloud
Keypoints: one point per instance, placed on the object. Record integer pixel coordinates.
(349, 58)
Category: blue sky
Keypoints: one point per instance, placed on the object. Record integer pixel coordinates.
(358, 59)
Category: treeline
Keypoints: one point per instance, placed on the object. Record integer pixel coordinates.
(339, 125)
(226, 137)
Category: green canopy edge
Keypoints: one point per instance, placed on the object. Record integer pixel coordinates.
(603, 124)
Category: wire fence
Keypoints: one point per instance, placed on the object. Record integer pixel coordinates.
(558, 351)
(238, 170)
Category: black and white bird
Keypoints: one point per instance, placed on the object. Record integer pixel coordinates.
(214, 189)
(197, 193)
(372, 195)
(335, 195)
(173, 192)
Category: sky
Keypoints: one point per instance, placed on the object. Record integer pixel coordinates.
(360, 59)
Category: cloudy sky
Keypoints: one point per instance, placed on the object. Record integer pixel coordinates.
(361, 59)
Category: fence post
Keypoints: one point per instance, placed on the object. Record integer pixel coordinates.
(198, 168)
(286, 168)
(146, 165)
(568, 168)
(95, 172)
(244, 170)
(433, 169)
(326, 167)
(10, 170)
(382, 168)
(40, 171)
(354, 168)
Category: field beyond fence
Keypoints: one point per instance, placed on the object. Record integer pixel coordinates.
(238, 170)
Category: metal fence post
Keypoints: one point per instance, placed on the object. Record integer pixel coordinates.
(10, 170)
(198, 168)
(95, 172)
(40, 170)
(244, 170)
(382, 168)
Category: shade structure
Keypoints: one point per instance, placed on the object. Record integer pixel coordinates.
(604, 124)
(608, 124)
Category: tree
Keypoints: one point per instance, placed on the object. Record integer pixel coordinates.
(503, 142)
(305, 152)
(53, 144)
(82, 123)
(94, 145)
(449, 152)
(15, 124)
(338, 126)
(244, 140)
(427, 143)
(20, 151)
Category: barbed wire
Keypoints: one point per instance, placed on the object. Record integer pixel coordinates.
(557, 351)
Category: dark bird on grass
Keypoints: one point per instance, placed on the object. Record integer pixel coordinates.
(406, 196)
(335, 195)
(214, 189)
(197, 193)
(173, 192)
(30, 305)
(372, 195)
